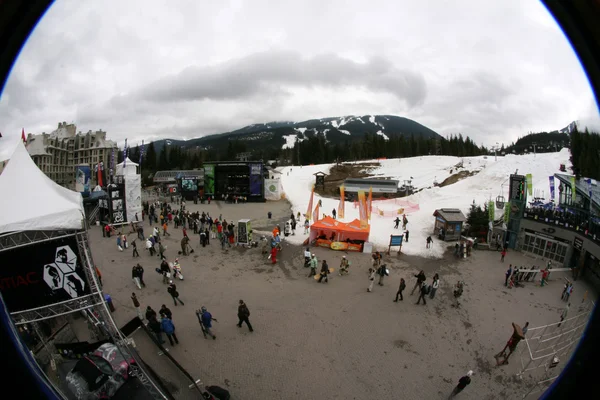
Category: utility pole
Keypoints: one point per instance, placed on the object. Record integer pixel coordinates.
(534, 143)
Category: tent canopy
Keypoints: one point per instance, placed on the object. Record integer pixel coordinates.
(31, 201)
(341, 230)
(130, 167)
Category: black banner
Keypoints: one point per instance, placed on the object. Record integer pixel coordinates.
(116, 200)
(578, 243)
(42, 274)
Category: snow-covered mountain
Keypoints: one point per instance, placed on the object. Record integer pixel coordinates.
(283, 134)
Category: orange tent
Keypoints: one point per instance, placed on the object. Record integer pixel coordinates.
(341, 230)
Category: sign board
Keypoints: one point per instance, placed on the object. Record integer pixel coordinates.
(517, 188)
(42, 274)
(116, 200)
(272, 189)
(244, 231)
(396, 240)
(83, 174)
(578, 243)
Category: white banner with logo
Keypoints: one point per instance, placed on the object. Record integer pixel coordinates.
(272, 189)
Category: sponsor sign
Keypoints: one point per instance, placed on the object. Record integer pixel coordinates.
(42, 274)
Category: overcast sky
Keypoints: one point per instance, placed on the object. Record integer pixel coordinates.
(140, 69)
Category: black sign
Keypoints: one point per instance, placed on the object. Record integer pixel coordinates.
(578, 243)
(42, 274)
(517, 189)
(116, 200)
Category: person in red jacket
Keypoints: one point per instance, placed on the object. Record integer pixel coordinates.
(273, 254)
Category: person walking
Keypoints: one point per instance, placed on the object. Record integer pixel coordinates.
(434, 286)
(184, 245)
(344, 265)
(136, 279)
(313, 265)
(119, 242)
(243, 315)
(406, 233)
(273, 254)
(333, 213)
(140, 274)
(503, 254)
(508, 274)
(372, 272)
(422, 293)
(306, 226)
(150, 247)
(150, 313)
(324, 272)
(400, 289)
(172, 290)
(462, 384)
(169, 329)
(382, 272)
(165, 229)
(161, 250)
(206, 319)
(396, 222)
(136, 304)
(135, 250)
(165, 270)
(420, 279)
(156, 328)
(165, 312)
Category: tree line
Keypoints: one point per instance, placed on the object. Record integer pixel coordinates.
(585, 154)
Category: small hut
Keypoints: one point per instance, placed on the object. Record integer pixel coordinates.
(449, 223)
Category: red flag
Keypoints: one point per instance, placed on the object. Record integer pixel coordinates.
(23, 136)
(99, 176)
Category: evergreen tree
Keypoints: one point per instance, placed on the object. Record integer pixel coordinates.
(149, 159)
(163, 161)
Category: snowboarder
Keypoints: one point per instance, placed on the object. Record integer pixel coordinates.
(396, 222)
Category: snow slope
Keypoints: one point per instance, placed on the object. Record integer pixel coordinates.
(481, 187)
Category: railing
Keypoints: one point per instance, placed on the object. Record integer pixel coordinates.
(93, 215)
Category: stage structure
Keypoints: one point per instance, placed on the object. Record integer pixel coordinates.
(547, 349)
(48, 269)
(133, 189)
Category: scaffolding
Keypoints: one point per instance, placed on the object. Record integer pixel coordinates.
(92, 305)
(548, 348)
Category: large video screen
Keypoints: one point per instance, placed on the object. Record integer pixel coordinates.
(189, 184)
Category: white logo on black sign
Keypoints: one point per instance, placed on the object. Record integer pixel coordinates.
(61, 273)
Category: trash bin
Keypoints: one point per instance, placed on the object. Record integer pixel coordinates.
(269, 214)
(108, 300)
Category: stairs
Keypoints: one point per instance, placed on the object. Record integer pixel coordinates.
(92, 216)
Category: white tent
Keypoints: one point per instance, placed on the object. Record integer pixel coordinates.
(30, 201)
(130, 167)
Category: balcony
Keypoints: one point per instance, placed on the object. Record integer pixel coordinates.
(576, 220)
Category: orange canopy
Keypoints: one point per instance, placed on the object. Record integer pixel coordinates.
(341, 230)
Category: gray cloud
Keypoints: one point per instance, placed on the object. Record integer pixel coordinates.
(251, 75)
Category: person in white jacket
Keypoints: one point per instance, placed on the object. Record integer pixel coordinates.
(434, 286)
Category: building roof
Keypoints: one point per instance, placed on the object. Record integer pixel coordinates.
(450, 214)
(36, 146)
(582, 187)
(371, 182)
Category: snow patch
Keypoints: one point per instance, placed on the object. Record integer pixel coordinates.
(301, 130)
(344, 131)
(290, 141)
(380, 133)
(423, 171)
(371, 119)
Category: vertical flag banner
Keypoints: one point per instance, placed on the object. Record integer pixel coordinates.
(573, 189)
(506, 212)
(23, 138)
(310, 203)
(99, 169)
(342, 204)
(141, 154)
(362, 209)
(124, 156)
(112, 162)
(529, 184)
(491, 211)
(316, 213)
(552, 188)
(370, 203)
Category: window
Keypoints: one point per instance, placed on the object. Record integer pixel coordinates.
(547, 248)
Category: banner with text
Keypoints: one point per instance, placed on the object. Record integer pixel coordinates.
(552, 188)
(310, 203)
(529, 185)
(342, 204)
(506, 212)
(573, 189)
(362, 209)
(491, 210)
